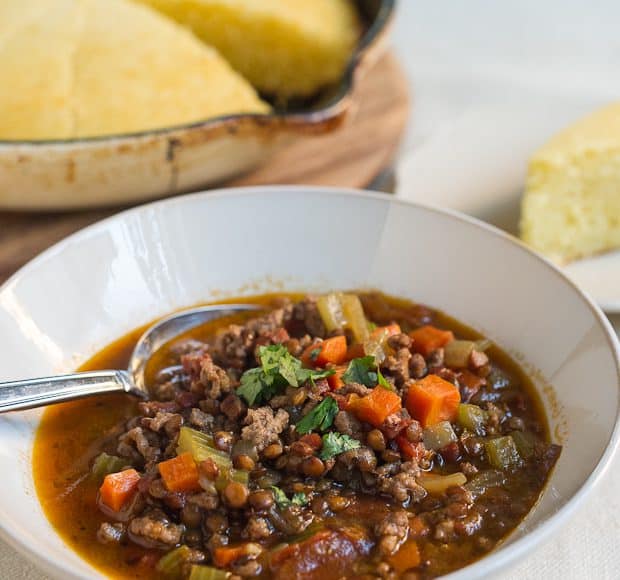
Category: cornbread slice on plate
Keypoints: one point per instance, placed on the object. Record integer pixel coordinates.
(287, 48)
(571, 205)
(83, 68)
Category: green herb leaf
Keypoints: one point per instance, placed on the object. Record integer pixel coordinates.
(299, 499)
(337, 443)
(278, 369)
(320, 418)
(383, 382)
(253, 382)
(362, 371)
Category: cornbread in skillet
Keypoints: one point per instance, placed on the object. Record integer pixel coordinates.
(83, 68)
(286, 48)
(571, 206)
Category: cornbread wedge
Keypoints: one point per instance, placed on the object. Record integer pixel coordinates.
(83, 68)
(571, 206)
(286, 48)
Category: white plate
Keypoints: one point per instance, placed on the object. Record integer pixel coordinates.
(477, 165)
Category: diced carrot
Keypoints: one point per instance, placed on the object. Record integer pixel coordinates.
(432, 399)
(376, 406)
(428, 338)
(410, 450)
(312, 439)
(225, 555)
(118, 488)
(389, 330)
(355, 351)
(331, 350)
(180, 473)
(335, 381)
(407, 557)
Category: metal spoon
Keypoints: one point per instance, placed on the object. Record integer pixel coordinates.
(29, 393)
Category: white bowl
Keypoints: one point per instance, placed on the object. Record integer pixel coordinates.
(120, 273)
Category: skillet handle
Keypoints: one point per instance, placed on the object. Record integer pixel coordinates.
(29, 393)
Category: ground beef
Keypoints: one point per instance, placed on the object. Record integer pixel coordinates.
(111, 533)
(348, 424)
(417, 366)
(169, 422)
(263, 427)
(307, 312)
(258, 528)
(398, 365)
(392, 531)
(233, 407)
(153, 532)
(207, 379)
(403, 486)
(146, 444)
(200, 419)
(354, 388)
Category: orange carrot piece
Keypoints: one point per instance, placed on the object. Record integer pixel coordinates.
(355, 351)
(118, 488)
(312, 439)
(407, 557)
(428, 338)
(225, 555)
(432, 399)
(410, 450)
(331, 350)
(375, 407)
(389, 330)
(335, 381)
(180, 473)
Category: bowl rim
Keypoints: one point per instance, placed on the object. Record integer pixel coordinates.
(504, 555)
(322, 115)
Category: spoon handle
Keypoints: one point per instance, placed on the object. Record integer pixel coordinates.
(17, 395)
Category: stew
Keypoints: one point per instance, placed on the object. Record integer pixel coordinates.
(351, 435)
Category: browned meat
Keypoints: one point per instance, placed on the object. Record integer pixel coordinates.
(207, 379)
(398, 341)
(233, 407)
(398, 365)
(417, 366)
(403, 486)
(234, 347)
(200, 419)
(154, 532)
(169, 422)
(354, 388)
(392, 531)
(395, 423)
(146, 444)
(258, 528)
(363, 458)
(263, 427)
(435, 359)
(111, 533)
(307, 312)
(348, 424)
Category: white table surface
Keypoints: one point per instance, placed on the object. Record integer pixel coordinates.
(474, 53)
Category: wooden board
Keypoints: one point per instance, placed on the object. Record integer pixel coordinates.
(350, 157)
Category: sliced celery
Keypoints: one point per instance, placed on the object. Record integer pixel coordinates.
(502, 452)
(457, 353)
(171, 564)
(105, 464)
(355, 317)
(525, 443)
(208, 573)
(438, 484)
(439, 435)
(484, 480)
(330, 309)
(472, 418)
(202, 447)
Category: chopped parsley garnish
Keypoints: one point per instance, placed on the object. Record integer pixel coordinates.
(278, 369)
(320, 418)
(298, 499)
(337, 443)
(362, 370)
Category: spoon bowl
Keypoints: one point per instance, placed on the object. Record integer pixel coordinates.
(30, 393)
